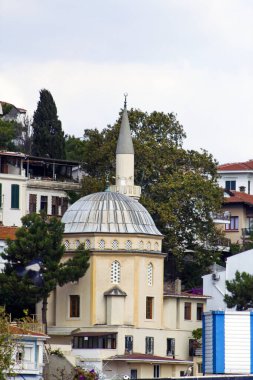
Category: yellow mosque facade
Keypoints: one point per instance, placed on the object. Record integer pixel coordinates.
(118, 318)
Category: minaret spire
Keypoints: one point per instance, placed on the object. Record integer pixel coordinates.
(125, 159)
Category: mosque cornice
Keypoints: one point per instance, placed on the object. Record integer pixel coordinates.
(121, 252)
(119, 234)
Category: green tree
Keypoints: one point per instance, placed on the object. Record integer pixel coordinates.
(7, 347)
(179, 186)
(240, 291)
(7, 135)
(74, 148)
(41, 239)
(48, 137)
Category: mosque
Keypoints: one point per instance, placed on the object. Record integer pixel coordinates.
(117, 318)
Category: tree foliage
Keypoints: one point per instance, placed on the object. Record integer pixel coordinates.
(48, 137)
(179, 186)
(240, 291)
(41, 239)
(15, 136)
(8, 345)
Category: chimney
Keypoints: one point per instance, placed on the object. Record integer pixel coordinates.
(178, 286)
(242, 189)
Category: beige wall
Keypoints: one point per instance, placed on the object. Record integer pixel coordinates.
(144, 370)
(241, 212)
(124, 315)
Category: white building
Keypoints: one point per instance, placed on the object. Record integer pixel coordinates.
(28, 356)
(237, 176)
(30, 184)
(118, 318)
(214, 284)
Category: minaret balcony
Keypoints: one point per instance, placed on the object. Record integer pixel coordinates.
(130, 191)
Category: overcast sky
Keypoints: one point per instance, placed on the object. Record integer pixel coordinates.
(190, 57)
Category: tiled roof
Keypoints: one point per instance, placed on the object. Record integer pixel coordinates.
(7, 232)
(238, 197)
(15, 330)
(234, 166)
(147, 358)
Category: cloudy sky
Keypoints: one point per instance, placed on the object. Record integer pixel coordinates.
(190, 57)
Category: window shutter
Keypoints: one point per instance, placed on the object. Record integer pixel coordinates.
(14, 196)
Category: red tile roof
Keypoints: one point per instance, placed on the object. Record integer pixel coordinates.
(7, 232)
(234, 166)
(147, 358)
(15, 330)
(238, 197)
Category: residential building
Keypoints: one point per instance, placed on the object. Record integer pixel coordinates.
(214, 284)
(9, 112)
(28, 354)
(239, 206)
(30, 184)
(118, 318)
(236, 176)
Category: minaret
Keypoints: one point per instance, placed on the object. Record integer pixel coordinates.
(125, 160)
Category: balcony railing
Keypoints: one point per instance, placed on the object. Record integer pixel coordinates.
(223, 217)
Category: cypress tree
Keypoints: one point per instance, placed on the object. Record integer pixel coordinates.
(48, 136)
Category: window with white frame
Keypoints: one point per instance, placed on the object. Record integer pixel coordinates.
(128, 244)
(234, 223)
(115, 244)
(150, 274)
(230, 185)
(148, 246)
(115, 272)
(149, 345)
(67, 244)
(156, 246)
(87, 244)
(77, 243)
(102, 244)
(170, 347)
(141, 245)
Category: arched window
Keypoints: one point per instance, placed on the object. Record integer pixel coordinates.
(87, 244)
(156, 246)
(102, 244)
(148, 246)
(115, 272)
(141, 245)
(128, 244)
(77, 243)
(115, 244)
(150, 274)
(67, 244)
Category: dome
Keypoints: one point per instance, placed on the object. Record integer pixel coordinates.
(108, 212)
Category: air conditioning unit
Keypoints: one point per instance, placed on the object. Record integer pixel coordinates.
(215, 276)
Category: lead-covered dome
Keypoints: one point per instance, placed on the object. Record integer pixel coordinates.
(108, 212)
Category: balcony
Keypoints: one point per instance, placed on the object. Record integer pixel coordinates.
(221, 218)
(47, 183)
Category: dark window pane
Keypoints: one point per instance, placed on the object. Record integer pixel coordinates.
(74, 306)
(149, 307)
(187, 311)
